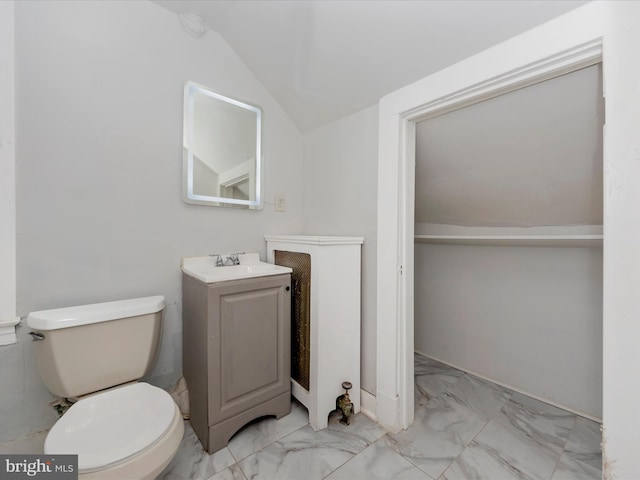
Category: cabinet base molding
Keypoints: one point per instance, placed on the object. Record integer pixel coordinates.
(220, 433)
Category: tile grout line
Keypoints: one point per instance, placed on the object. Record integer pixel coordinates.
(564, 448)
(466, 376)
(267, 445)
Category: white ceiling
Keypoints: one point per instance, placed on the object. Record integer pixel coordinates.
(532, 157)
(325, 59)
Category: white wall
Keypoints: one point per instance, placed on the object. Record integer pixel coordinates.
(339, 185)
(7, 164)
(528, 158)
(526, 317)
(100, 214)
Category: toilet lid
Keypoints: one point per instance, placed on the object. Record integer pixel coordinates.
(109, 427)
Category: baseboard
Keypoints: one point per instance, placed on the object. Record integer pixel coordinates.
(8, 331)
(368, 404)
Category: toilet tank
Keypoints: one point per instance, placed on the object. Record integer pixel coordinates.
(92, 347)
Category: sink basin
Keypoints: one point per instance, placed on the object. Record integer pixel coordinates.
(205, 270)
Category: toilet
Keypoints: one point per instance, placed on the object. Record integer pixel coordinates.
(95, 354)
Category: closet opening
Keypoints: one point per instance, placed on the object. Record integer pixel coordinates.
(400, 113)
(508, 239)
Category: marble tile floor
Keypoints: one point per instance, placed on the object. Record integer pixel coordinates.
(465, 428)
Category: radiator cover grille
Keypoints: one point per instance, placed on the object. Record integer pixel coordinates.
(300, 263)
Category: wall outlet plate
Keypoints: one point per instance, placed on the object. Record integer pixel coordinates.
(279, 202)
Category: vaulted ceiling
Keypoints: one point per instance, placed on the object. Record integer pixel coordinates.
(325, 59)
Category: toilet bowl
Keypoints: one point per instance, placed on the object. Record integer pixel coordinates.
(130, 432)
(120, 428)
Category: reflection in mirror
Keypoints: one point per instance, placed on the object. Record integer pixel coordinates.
(222, 150)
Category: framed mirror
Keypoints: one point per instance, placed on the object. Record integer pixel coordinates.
(222, 150)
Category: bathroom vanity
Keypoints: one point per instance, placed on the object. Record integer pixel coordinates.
(236, 344)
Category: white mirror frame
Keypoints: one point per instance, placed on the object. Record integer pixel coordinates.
(189, 196)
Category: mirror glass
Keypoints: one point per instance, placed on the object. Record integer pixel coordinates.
(222, 150)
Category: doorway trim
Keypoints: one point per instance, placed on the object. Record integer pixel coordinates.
(399, 113)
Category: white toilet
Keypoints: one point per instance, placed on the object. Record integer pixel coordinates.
(120, 429)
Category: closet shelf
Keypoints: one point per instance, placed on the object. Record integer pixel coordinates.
(556, 240)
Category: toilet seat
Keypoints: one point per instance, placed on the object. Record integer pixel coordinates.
(110, 427)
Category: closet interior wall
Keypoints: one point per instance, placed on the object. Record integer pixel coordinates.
(508, 253)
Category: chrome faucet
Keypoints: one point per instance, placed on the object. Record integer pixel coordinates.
(232, 259)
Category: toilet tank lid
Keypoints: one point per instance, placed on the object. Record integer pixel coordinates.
(97, 312)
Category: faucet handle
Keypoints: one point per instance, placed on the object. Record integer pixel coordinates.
(235, 259)
(219, 261)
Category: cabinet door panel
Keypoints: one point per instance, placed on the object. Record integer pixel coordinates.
(249, 350)
(249, 344)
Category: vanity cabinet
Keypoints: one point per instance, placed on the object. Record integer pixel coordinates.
(236, 353)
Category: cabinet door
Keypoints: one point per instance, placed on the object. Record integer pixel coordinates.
(250, 347)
